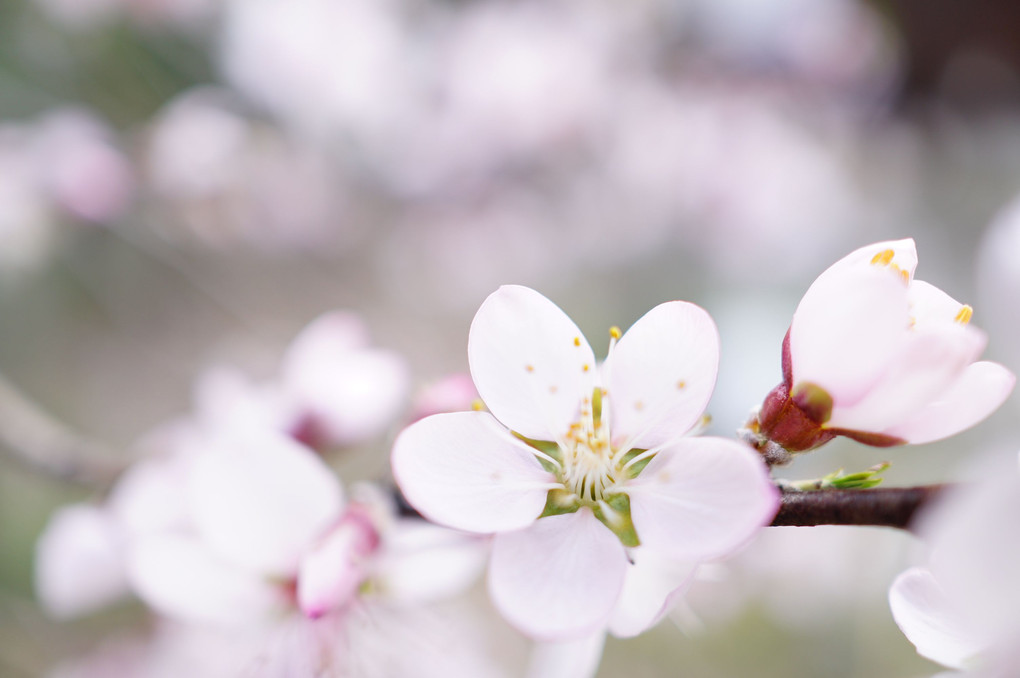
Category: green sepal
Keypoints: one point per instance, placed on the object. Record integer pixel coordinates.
(546, 447)
(558, 502)
(837, 480)
(635, 470)
(617, 518)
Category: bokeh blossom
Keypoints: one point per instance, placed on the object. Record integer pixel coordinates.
(878, 356)
(960, 610)
(580, 463)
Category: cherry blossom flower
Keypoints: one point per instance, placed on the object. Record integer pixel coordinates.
(878, 356)
(961, 610)
(583, 474)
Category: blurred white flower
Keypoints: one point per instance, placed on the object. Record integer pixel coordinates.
(228, 179)
(961, 610)
(324, 66)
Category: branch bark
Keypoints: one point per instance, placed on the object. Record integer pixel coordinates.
(885, 506)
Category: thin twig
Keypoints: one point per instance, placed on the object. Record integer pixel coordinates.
(37, 440)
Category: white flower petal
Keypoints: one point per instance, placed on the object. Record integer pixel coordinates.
(904, 256)
(931, 621)
(847, 329)
(79, 562)
(661, 374)
(651, 586)
(262, 501)
(530, 362)
(567, 658)
(147, 497)
(558, 579)
(464, 470)
(930, 306)
(975, 536)
(925, 366)
(978, 392)
(179, 577)
(701, 498)
(420, 562)
(347, 390)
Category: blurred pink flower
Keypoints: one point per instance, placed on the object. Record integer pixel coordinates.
(558, 470)
(880, 357)
(452, 393)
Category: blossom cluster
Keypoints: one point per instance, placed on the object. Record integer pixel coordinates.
(585, 484)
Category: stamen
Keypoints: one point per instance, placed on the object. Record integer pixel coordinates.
(963, 317)
(477, 405)
(614, 332)
(883, 258)
(577, 341)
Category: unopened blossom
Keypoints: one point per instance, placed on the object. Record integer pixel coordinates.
(583, 472)
(878, 356)
(961, 609)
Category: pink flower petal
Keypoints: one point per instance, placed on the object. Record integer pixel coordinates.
(847, 329)
(79, 562)
(652, 584)
(531, 364)
(978, 392)
(930, 620)
(558, 579)
(336, 566)
(180, 577)
(661, 374)
(464, 470)
(701, 498)
(262, 501)
(567, 658)
(926, 364)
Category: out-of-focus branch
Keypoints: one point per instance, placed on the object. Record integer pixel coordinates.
(886, 506)
(37, 440)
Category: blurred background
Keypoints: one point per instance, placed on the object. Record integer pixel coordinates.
(185, 184)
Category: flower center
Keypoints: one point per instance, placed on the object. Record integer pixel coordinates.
(589, 469)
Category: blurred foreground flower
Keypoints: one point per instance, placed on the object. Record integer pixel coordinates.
(877, 356)
(579, 464)
(961, 611)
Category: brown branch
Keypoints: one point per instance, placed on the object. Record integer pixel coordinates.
(886, 506)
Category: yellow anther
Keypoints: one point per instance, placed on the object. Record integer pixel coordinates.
(681, 384)
(903, 274)
(477, 405)
(577, 341)
(529, 368)
(585, 367)
(639, 405)
(963, 317)
(883, 258)
(553, 389)
(615, 332)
